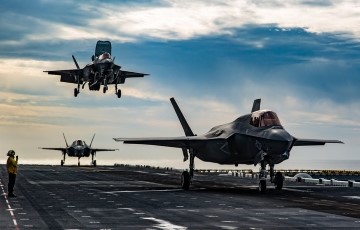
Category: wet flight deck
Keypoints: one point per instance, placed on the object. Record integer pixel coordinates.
(105, 197)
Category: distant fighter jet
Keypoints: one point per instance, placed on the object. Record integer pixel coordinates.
(79, 149)
(254, 138)
(102, 71)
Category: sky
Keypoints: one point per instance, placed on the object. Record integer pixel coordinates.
(302, 57)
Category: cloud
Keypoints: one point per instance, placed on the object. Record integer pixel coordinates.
(178, 20)
(214, 57)
(174, 19)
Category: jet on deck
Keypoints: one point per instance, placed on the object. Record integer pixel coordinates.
(79, 149)
(254, 138)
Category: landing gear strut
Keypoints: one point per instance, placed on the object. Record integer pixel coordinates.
(62, 162)
(76, 92)
(93, 162)
(277, 178)
(79, 161)
(117, 91)
(262, 177)
(186, 177)
(105, 89)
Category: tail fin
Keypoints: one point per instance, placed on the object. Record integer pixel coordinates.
(77, 65)
(184, 124)
(92, 140)
(256, 105)
(65, 140)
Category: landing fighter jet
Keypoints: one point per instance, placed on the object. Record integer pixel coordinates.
(254, 138)
(102, 71)
(79, 149)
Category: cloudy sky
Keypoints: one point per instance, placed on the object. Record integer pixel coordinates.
(302, 57)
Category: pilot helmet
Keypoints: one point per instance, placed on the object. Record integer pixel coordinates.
(11, 153)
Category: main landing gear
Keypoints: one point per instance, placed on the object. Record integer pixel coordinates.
(77, 90)
(186, 177)
(277, 179)
(93, 162)
(62, 162)
(117, 91)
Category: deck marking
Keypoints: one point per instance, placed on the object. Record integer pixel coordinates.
(163, 224)
(9, 206)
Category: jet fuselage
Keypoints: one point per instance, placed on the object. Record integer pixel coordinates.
(238, 142)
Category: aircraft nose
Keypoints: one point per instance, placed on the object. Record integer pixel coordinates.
(280, 135)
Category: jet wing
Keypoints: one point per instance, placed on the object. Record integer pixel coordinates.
(68, 75)
(59, 149)
(103, 150)
(175, 142)
(128, 74)
(306, 142)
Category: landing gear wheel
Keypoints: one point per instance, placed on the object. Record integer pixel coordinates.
(279, 181)
(76, 92)
(62, 163)
(78, 163)
(185, 180)
(105, 89)
(118, 93)
(262, 186)
(94, 163)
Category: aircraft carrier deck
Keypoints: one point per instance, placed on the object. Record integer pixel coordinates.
(54, 197)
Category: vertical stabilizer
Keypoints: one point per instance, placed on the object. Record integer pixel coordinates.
(256, 105)
(77, 65)
(65, 140)
(184, 124)
(92, 140)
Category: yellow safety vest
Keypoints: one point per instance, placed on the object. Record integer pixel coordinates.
(11, 165)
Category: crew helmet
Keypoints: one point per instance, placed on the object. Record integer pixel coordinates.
(11, 153)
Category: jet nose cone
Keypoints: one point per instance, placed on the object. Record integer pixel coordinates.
(280, 135)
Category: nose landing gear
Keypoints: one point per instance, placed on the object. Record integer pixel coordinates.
(278, 179)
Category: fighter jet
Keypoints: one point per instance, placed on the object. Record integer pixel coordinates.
(254, 138)
(79, 149)
(102, 71)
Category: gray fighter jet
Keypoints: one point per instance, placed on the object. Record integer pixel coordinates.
(102, 71)
(79, 149)
(254, 138)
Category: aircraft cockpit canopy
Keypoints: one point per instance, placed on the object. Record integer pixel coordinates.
(264, 118)
(79, 142)
(104, 56)
(102, 47)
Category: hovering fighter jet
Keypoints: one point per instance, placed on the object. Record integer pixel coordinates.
(79, 149)
(254, 138)
(102, 71)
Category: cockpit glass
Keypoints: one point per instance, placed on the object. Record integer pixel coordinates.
(264, 118)
(79, 142)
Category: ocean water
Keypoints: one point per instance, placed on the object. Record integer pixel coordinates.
(353, 165)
